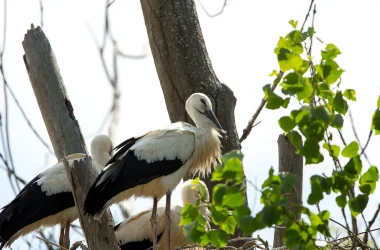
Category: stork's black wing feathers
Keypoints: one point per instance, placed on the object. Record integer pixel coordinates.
(122, 148)
(126, 173)
(139, 245)
(29, 206)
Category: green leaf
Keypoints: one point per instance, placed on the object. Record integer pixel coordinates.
(339, 183)
(285, 103)
(286, 123)
(306, 92)
(311, 151)
(295, 138)
(341, 201)
(353, 168)
(287, 60)
(358, 204)
(368, 180)
(232, 169)
(219, 214)
(242, 211)
(320, 113)
(218, 193)
(330, 52)
(376, 122)
(229, 225)
(330, 71)
(272, 180)
(274, 73)
(350, 150)
(247, 224)
(316, 194)
(273, 101)
(233, 199)
(292, 78)
(218, 238)
(350, 94)
(378, 102)
(288, 181)
(189, 214)
(337, 122)
(271, 214)
(339, 104)
(333, 150)
(293, 23)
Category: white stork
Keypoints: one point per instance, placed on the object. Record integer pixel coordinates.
(47, 199)
(152, 165)
(136, 232)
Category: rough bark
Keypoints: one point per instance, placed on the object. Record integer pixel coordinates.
(64, 132)
(289, 162)
(183, 64)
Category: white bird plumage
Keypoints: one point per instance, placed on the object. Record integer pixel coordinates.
(152, 165)
(130, 238)
(47, 200)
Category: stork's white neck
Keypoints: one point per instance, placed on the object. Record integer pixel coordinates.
(99, 154)
(101, 157)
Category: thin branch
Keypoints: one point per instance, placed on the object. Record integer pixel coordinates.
(28, 120)
(307, 15)
(51, 243)
(371, 222)
(250, 125)
(312, 25)
(357, 136)
(216, 14)
(342, 138)
(79, 244)
(41, 14)
(354, 235)
(5, 139)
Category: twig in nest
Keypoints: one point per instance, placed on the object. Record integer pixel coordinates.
(79, 244)
(51, 243)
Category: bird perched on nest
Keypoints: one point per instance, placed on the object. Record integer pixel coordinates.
(47, 199)
(129, 237)
(152, 165)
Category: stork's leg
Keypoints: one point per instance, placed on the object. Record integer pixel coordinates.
(153, 221)
(62, 235)
(66, 241)
(167, 213)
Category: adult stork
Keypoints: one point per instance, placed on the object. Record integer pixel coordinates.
(47, 199)
(136, 232)
(152, 165)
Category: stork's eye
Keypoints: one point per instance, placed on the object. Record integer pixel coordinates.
(203, 101)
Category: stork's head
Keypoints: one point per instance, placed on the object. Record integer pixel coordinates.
(101, 149)
(191, 193)
(199, 107)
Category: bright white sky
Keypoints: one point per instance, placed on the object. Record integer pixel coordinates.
(240, 43)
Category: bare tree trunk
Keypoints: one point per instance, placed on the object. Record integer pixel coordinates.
(183, 64)
(64, 132)
(289, 162)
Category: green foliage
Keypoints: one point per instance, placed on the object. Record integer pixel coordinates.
(350, 150)
(368, 180)
(316, 87)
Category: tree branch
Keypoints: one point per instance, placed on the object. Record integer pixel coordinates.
(250, 125)
(64, 132)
